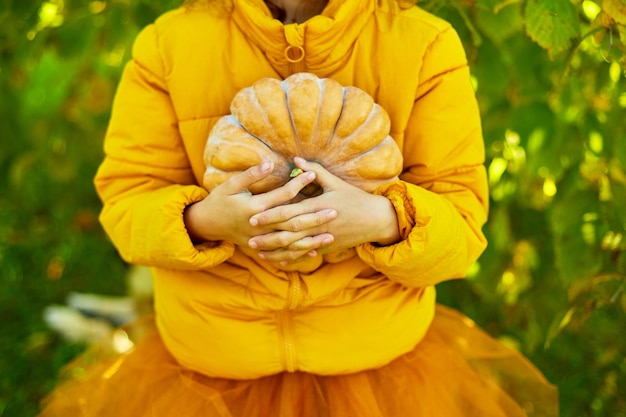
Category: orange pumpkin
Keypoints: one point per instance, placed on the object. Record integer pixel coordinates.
(342, 128)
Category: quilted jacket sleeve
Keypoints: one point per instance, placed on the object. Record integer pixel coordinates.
(145, 181)
(442, 197)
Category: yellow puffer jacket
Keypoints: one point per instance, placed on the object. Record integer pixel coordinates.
(227, 314)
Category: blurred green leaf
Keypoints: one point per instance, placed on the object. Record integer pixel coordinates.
(499, 19)
(49, 86)
(616, 9)
(551, 23)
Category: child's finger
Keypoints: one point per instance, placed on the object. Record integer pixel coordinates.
(305, 247)
(324, 178)
(240, 182)
(284, 234)
(311, 243)
(287, 192)
(275, 240)
(293, 217)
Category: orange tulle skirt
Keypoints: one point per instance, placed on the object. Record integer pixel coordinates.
(457, 370)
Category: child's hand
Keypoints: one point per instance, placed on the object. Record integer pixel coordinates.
(360, 217)
(225, 213)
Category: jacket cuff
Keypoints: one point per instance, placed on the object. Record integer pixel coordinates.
(397, 193)
(392, 260)
(159, 236)
(399, 197)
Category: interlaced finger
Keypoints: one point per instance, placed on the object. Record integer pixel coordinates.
(240, 182)
(286, 193)
(307, 246)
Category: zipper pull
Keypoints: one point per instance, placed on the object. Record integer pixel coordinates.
(294, 52)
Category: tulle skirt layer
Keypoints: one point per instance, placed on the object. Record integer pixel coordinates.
(457, 370)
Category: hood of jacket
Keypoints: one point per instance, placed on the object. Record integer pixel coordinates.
(312, 44)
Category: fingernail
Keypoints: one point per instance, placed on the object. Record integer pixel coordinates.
(254, 222)
(312, 253)
(261, 255)
(266, 166)
(253, 245)
(331, 214)
(327, 241)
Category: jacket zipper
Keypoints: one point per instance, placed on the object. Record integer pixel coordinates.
(285, 320)
(294, 52)
(294, 293)
(295, 67)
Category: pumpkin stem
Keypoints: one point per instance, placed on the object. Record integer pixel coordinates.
(310, 190)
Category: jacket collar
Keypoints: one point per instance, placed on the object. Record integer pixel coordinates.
(320, 45)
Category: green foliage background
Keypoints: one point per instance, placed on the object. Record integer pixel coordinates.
(550, 78)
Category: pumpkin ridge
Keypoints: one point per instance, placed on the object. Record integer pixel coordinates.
(324, 148)
(320, 147)
(320, 101)
(227, 135)
(237, 123)
(367, 163)
(280, 136)
(331, 139)
(347, 150)
(253, 98)
(294, 131)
